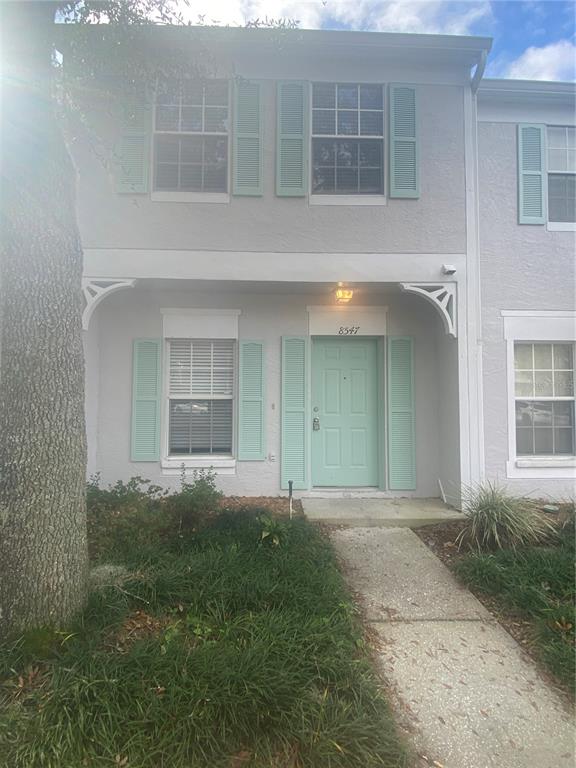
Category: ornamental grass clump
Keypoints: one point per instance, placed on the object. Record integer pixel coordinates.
(495, 519)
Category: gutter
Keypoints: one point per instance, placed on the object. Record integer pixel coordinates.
(479, 71)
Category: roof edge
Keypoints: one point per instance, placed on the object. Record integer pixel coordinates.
(332, 37)
(501, 85)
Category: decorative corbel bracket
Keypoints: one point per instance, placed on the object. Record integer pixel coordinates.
(95, 290)
(442, 296)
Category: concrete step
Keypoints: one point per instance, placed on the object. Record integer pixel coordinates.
(393, 513)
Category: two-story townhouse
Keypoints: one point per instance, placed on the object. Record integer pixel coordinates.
(283, 278)
(527, 183)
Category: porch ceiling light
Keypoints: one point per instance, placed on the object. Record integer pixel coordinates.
(343, 295)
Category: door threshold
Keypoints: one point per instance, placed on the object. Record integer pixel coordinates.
(358, 492)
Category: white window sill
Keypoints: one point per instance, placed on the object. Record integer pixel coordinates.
(542, 468)
(546, 461)
(190, 197)
(561, 226)
(222, 465)
(347, 200)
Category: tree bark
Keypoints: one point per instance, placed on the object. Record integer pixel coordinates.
(43, 553)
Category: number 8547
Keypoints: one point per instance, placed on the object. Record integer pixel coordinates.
(348, 330)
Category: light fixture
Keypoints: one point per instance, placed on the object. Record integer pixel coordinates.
(343, 295)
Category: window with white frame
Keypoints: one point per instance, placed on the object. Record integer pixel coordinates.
(561, 143)
(544, 398)
(201, 377)
(347, 139)
(191, 136)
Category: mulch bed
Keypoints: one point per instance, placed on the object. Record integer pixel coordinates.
(275, 505)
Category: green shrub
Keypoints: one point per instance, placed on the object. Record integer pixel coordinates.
(536, 583)
(124, 518)
(497, 520)
(567, 527)
(556, 637)
(136, 493)
(195, 499)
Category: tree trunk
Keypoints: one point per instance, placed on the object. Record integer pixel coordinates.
(43, 554)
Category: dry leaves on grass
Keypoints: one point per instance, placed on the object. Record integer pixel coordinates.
(138, 626)
(27, 683)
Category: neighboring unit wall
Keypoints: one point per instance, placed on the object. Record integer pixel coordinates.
(523, 267)
(136, 314)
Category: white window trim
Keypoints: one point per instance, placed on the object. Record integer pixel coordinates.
(172, 465)
(351, 200)
(221, 465)
(227, 319)
(183, 323)
(347, 199)
(556, 226)
(533, 326)
(190, 197)
(181, 196)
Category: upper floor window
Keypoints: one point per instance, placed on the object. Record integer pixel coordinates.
(544, 399)
(561, 174)
(191, 136)
(347, 139)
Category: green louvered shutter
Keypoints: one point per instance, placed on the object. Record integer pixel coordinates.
(404, 153)
(146, 397)
(252, 426)
(294, 411)
(133, 151)
(247, 170)
(401, 433)
(292, 139)
(531, 174)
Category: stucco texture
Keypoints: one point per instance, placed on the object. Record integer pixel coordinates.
(434, 223)
(523, 267)
(135, 313)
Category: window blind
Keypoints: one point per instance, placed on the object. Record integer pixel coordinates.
(201, 368)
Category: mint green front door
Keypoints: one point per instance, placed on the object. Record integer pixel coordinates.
(344, 412)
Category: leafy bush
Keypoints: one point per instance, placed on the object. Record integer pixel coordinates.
(136, 493)
(123, 518)
(196, 498)
(273, 531)
(497, 520)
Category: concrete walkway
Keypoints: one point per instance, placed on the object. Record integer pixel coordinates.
(378, 511)
(465, 691)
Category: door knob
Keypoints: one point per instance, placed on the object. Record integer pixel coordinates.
(316, 424)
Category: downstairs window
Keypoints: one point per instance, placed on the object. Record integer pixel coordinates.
(200, 397)
(544, 399)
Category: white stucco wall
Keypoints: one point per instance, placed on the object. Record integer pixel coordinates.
(91, 339)
(448, 436)
(435, 223)
(522, 267)
(135, 313)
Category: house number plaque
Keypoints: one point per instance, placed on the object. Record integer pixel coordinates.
(347, 321)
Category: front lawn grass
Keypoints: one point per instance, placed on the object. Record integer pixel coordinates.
(537, 583)
(235, 646)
